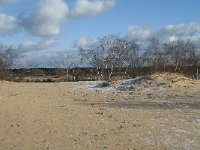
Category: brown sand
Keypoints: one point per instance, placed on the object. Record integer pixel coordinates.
(61, 116)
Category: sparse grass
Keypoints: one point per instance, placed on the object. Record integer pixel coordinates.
(37, 80)
(49, 80)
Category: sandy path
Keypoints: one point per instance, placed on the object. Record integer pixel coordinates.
(60, 116)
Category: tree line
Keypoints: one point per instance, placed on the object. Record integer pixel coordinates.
(116, 56)
(114, 52)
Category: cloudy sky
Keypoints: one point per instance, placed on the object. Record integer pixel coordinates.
(43, 30)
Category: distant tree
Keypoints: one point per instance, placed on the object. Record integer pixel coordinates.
(7, 60)
(198, 65)
(7, 55)
(112, 52)
(132, 54)
(154, 56)
(181, 53)
(65, 62)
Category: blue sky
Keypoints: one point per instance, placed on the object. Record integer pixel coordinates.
(41, 30)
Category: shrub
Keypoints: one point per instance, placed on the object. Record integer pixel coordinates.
(105, 84)
(49, 80)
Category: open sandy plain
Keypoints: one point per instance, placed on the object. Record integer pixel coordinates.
(62, 116)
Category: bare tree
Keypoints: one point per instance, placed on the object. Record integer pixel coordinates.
(65, 62)
(131, 54)
(112, 52)
(181, 53)
(198, 65)
(7, 60)
(7, 55)
(154, 56)
(103, 56)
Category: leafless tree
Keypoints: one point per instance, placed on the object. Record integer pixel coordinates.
(7, 55)
(131, 54)
(7, 60)
(63, 64)
(198, 65)
(154, 56)
(112, 52)
(181, 53)
(103, 56)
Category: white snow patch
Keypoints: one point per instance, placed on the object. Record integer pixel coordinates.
(126, 85)
(130, 83)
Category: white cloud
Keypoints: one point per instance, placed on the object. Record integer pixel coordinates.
(37, 59)
(139, 33)
(38, 46)
(5, 2)
(7, 24)
(180, 28)
(47, 18)
(179, 31)
(143, 34)
(172, 38)
(85, 8)
(49, 58)
(86, 42)
(165, 34)
(39, 54)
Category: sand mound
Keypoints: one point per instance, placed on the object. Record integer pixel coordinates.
(131, 83)
(156, 84)
(6, 82)
(169, 77)
(174, 80)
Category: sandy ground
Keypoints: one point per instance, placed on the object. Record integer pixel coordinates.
(59, 116)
